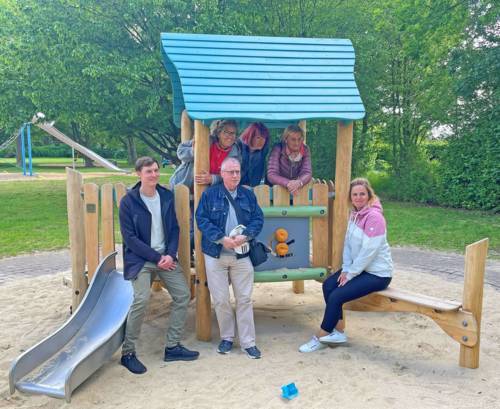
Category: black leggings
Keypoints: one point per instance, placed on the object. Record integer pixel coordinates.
(335, 296)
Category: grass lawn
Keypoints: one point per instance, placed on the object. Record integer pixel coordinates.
(33, 217)
(440, 228)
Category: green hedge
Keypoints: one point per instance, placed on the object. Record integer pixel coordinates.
(461, 172)
(470, 172)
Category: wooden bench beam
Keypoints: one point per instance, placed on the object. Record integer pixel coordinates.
(458, 324)
(420, 299)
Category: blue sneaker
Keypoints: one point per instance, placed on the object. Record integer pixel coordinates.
(180, 353)
(253, 352)
(225, 347)
(131, 362)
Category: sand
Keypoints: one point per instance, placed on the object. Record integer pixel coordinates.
(391, 361)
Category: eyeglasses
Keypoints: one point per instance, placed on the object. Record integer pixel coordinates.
(232, 172)
(229, 133)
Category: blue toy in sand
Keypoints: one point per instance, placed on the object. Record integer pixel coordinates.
(289, 391)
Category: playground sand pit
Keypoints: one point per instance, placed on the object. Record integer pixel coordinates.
(391, 360)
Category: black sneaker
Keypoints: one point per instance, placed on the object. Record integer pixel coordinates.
(225, 347)
(253, 352)
(180, 353)
(131, 362)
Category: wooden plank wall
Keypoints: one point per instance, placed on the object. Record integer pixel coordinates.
(99, 206)
(107, 201)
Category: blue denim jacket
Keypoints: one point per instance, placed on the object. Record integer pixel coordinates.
(211, 216)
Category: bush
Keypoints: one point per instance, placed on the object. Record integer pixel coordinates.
(470, 171)
(416, 182)
(322, 139)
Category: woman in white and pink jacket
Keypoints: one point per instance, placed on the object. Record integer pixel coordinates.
(366, 266)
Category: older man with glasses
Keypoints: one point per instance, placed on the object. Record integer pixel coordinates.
(228, 217)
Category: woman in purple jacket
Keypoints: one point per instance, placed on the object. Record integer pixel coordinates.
(366, 264)
(289, 164)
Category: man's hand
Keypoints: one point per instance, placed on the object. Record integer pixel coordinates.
(229, 242)
(239, 239)
(293, 186)
(167, 263)
(204, 178)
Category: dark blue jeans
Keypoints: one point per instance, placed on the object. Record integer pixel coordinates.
(335, 296)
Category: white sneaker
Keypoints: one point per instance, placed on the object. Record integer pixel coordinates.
(312, 345)
(336, 337)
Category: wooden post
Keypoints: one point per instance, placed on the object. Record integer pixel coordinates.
(76, 235)
(331, 201)
(320, 227)
(475, 261)
(342, 182)
(303, 126)
(301, 198)
(186, 127)
(186, 135)
(107, 221)
(203, 306)
(91, 201)
(183, 213)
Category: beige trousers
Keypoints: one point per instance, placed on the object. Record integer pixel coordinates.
(240, 272)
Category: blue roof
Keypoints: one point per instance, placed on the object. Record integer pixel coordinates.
(275, 80)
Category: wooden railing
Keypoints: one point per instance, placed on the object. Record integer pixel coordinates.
(91, 220)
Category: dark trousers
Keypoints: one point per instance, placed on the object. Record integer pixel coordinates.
(335, 296)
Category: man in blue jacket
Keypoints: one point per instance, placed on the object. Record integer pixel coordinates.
(150, 239)
(224, 235)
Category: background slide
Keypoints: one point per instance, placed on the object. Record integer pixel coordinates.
(56, 133)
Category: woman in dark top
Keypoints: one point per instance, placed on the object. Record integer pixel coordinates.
(254, 145)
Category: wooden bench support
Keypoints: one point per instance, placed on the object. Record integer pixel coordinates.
(458, 324)
(461, 322)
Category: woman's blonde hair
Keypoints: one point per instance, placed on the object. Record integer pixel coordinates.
(217, 126)
(291, 129)
(363, 182)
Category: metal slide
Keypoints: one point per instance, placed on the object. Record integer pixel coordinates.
(61, 362)
(56, 133)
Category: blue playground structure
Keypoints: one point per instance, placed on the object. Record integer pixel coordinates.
(277, 81)
(26, 127)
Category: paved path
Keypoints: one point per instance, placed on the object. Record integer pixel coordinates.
(449, 265)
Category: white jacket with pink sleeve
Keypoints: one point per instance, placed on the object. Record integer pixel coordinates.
(365, 246)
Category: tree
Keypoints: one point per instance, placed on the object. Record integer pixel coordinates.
(469, 169)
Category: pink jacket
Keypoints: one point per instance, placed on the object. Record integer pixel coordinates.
(280, 169)
(365, 246)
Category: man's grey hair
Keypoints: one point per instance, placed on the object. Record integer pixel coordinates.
(229, 160)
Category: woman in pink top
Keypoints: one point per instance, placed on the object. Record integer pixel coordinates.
(289, 164)
(366, 264)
